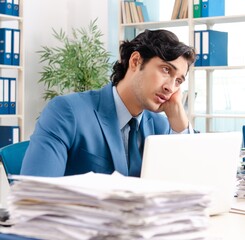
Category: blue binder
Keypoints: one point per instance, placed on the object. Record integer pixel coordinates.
(15, 47)
(5, 96)
(5, 46)
(214, 48)
(198, 46)
(211, 8)
(9, 135)
(6, 7)
(12, 95)
(1, 96)
(15, 8)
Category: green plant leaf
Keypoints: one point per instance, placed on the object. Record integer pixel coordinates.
(76, 64)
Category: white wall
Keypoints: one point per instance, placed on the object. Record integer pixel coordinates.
(39, 19)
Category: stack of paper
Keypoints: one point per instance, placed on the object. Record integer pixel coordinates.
(241, 176)
(98, 206)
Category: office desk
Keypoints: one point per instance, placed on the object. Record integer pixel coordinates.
(228, 226)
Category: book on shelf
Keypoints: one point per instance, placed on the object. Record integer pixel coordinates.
(133, 12)
(127, 12)
(180, 9)
(184, 9)
(139, 7)
(123, 12)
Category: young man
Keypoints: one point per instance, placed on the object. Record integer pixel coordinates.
(89, 131)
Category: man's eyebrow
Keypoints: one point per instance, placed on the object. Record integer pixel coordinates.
(172, 65)
(175, 68)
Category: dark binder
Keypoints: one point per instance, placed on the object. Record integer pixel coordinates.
(16, 47)
(9, 135)
(6, 7)
(5, 46)
(12, 95)
(5, 96)
(15, 8)
(214, 48)
(198, 47)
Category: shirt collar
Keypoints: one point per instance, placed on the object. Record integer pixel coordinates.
(122, 112)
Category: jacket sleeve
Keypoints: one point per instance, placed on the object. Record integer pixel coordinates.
(51, 140)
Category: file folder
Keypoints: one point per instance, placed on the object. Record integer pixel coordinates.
(5, 95)
(12, 95)
(1, 96)
(6, 7)
(9, 135)
(5, 46)
(198, 45)
(211, 8)
(15, 8)
(16, 47)
(214, 48)
(197, 8)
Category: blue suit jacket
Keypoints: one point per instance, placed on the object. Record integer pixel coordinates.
(79, 133)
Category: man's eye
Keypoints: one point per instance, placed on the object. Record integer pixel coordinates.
(165, 69)
(179, 81)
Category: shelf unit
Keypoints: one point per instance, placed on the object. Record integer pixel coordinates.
(17, 72)
(191, 23)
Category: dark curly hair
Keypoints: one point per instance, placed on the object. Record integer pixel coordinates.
(151, 43)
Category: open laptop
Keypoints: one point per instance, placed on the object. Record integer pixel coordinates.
(206, 159)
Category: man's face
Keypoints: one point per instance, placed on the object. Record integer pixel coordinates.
(158, 81)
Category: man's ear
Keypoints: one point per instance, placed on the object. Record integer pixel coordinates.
(134, 60)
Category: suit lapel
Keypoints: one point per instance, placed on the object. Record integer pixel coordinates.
(146, 126)
(107, 117)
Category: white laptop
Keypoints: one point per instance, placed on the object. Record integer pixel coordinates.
(206, 159)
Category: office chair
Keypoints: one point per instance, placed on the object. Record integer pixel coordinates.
(12, 155)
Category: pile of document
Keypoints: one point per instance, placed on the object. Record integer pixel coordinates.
(99, 206)
(241, 176)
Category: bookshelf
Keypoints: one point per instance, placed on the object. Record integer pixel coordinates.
(200, 119)
(15, 71)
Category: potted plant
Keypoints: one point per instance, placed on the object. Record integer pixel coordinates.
(79, 63)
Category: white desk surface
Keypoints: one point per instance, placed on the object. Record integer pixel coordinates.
(228, 226)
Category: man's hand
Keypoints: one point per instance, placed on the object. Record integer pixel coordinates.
(175, 112)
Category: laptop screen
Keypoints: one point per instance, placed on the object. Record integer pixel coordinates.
(205, 159)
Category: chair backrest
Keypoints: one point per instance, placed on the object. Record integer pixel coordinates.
(12, 156)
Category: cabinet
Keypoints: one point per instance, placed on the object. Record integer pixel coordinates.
(209, 108)
(15, 71)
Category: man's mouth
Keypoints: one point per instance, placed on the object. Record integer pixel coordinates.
(161, 98)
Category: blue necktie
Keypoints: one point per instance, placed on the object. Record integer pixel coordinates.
(134, 158)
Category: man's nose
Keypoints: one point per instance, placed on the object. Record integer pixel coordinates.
(169, 86)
